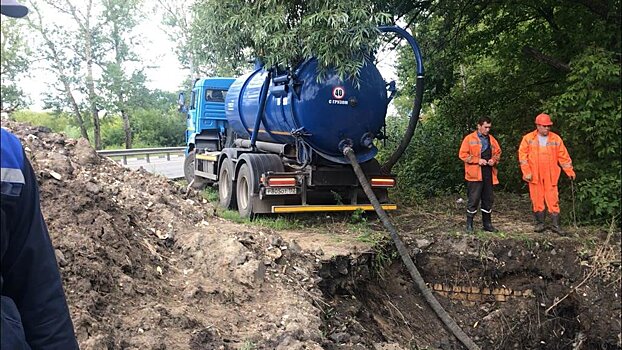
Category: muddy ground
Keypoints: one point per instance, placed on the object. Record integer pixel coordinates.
(147, 266)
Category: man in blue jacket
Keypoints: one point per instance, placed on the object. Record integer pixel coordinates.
(34, 312)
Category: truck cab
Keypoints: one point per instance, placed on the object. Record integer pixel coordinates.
(205, 118)
(206, 123)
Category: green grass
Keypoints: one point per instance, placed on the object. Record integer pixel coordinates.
(210, 194)
(355, 222)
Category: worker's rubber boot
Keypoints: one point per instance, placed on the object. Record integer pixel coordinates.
(555, 224)
(469, 223)
(539, 216)
(487, 221)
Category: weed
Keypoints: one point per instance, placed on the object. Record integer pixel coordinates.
(247, 345)
(372, 237)
(210, 194)
(358, 216)
(337, 197)
(527, 241)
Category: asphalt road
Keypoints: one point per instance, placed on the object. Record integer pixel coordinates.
(173, 169)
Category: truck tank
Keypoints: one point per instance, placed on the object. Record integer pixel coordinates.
(311, 113)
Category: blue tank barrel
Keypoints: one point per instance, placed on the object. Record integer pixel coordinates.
(310, 114)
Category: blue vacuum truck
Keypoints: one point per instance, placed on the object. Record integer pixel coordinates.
(273, 141)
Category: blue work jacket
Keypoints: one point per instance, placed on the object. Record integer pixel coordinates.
(33, 307)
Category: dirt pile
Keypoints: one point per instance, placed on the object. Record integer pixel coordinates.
(146, 266)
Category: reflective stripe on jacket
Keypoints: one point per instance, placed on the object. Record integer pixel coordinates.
(558, 154)
(469, 153)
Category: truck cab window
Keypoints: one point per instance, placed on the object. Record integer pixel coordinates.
(215, 95)
(193, 100)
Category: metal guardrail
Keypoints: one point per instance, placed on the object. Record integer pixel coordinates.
(124, 153)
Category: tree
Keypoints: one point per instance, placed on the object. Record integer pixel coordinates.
(86, 45)
(58, 52)
(121, 90)
(513, 60)
(14, 62)
(340, 34)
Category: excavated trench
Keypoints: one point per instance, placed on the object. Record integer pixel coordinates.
(498, 291)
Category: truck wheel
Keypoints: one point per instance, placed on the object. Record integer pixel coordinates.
(226, 189)
(244, 191)
(199, 183)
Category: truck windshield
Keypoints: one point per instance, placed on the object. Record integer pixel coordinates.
(215, 95)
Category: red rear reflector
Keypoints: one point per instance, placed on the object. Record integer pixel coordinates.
(282, 181)
(377, 182)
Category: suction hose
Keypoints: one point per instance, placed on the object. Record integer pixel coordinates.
(401, 248)
(416, 111)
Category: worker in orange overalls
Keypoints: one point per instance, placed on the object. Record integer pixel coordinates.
(480, 153)
(539, 154)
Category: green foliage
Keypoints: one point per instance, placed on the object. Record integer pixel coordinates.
(512, 61)
(153, 127)
(285, 32)
(430, 165)
(60, 123)
(358, 216)
(159, 128)
(590, 106)
(14, 61)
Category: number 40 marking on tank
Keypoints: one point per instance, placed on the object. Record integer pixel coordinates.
(338, 92)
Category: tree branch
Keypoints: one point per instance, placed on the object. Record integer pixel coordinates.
(546, 59)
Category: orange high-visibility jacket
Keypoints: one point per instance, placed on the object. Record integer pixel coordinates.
(470, 151)
(529, 162)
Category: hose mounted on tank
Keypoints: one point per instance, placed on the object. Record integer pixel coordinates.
(346, 147)
(403, 251)
(414, 115)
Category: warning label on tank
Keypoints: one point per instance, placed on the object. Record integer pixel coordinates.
(338, 92)
(337, 102)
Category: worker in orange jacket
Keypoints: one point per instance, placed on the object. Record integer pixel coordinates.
(539, 154)
(480, 153)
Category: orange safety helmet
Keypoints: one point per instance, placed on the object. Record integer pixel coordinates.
(543, 119)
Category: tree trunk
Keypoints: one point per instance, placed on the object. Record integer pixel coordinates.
(127, 129)
(88, 36)
(76, 109)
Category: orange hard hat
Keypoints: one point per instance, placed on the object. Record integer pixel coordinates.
(543, 119)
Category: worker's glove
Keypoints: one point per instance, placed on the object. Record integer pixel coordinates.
(572, 175)
(482, 162)
(528, 177)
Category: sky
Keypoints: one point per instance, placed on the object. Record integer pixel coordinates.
(164, 71)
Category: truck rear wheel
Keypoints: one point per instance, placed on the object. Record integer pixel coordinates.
(199, 182)
(244, 191)
(226, 189)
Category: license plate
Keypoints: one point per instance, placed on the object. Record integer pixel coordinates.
(280, 190)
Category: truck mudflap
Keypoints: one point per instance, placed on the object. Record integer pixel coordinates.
(326, 208)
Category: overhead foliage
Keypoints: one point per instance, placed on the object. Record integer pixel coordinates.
(340, 34)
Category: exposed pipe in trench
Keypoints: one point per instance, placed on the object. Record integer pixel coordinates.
(401, 248)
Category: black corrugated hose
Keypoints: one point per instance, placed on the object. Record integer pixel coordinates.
(401, 248)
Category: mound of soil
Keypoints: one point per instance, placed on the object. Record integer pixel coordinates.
(148, 265)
